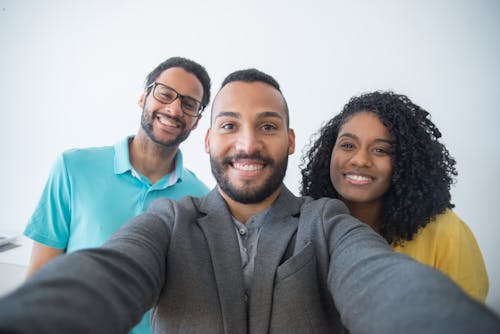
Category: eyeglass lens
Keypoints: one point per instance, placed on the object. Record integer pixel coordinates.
(167, 95)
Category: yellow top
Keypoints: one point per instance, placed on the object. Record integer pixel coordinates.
(448, 244)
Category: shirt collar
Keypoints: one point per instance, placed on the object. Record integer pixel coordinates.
(122, 160)
(176, 175)
(123, 165)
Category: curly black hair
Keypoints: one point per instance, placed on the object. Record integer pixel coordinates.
(422, 168)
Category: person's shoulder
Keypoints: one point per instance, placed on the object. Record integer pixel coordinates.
(163, 204)
(322, 204)
(448, 216)
(172, 211)
(195, 185)
(324, 212)
(85, 161)
(190, 175)
(447, 223)
(87, 153)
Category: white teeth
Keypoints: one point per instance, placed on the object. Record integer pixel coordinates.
(246, 167)
(167, 121)
(358, 177)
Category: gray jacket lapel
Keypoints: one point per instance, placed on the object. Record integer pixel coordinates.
(219, 231)
(279, 228)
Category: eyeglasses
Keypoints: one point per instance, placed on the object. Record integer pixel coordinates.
(165, 94)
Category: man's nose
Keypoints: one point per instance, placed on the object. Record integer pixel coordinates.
(175, 107)
(248, 141)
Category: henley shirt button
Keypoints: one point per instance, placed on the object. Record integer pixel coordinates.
(242, 231)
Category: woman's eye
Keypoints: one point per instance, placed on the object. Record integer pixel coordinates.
(347, 146)
(381, 150)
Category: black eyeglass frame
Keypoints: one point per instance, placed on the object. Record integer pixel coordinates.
(152, 86)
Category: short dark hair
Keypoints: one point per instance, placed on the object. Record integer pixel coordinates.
(187, 65)
(253, 75)
(422, 168)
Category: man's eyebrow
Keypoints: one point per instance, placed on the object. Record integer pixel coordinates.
(228, 114)
(266, 114)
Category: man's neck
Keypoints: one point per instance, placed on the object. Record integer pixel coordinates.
(150, 159)
(242, 212)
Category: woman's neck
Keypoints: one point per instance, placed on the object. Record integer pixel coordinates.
(368, 213)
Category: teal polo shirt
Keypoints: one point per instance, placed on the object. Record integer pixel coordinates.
(91, 192)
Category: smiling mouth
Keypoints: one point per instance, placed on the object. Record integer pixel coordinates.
(167, 121)
(247, 162)
(357, 179)
(247, 167)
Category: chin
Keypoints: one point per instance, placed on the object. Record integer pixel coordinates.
(356, 199)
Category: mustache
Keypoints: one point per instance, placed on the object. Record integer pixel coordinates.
(255, 156)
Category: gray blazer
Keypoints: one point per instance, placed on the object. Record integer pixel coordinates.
(317, 270)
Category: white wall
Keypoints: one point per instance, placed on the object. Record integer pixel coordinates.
(71, 73)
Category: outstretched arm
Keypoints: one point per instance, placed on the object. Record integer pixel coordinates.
(379, 291)
(101, 290)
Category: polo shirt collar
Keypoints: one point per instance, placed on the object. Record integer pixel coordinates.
(122, 160)
(123, 165)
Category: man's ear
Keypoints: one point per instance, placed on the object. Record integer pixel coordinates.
(207, 141)
(291, 141)
(142, 99)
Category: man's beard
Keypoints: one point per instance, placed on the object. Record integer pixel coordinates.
(247, 195)
(147, 125)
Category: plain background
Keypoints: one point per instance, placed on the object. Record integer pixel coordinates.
(71, 73)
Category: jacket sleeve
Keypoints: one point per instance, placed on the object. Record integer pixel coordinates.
(379, 291)
(448, 244)
(101, 290)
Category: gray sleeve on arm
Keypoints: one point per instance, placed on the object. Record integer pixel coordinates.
(101, 290)
(379, 291)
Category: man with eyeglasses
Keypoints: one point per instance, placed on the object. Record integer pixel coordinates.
(92, 192)
(249, 257)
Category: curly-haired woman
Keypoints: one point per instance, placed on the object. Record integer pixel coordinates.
(382, 156)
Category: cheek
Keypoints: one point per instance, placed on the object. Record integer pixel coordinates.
(386, 169)
(191, 124)
(215, 147)
(148, 104)
(334, 170)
